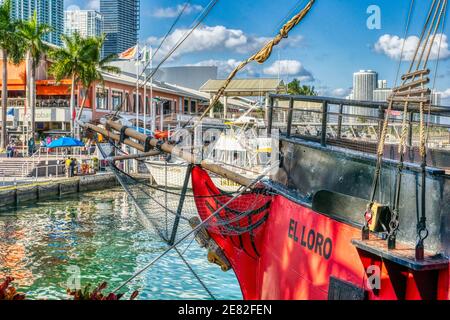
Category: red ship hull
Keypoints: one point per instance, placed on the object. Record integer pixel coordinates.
(296, 252)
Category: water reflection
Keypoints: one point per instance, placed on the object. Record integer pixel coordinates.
(100, 234)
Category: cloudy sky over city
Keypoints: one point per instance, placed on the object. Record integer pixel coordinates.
(331, 43)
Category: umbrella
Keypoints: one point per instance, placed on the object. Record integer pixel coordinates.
(65, 142)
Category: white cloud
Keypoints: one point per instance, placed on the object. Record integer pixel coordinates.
(215, 38)
(341, 92)
(93, 4)
(291, 68)
(327, 91)
(391, 46)
(86, 4)
(172, 12)
(445, 94)
(226, 66)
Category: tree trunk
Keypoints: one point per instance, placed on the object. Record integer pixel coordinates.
(81, 113)
(33, 99)
(25, 120)
(4, 140)
(72, 107)
(82, 106)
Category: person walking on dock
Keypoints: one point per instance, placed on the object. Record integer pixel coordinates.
(68, 167)
(73, 165)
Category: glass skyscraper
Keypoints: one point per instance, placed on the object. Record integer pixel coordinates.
(120, 24)
(50, 12)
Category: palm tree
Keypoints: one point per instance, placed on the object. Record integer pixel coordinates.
(96, 67)
(294, 88)
(79, 59)
(69, 61)
(32, 33)
(12, 51)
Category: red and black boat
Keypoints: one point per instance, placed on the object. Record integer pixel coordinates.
(359, 204)
(303, 232)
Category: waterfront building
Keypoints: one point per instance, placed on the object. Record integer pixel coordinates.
(53, 113)
(120, 24)
(87, 23)
(193, 77)
(50, 12)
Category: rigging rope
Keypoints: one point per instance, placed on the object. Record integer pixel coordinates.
(262, 55)
(195, 25)
(184, 237)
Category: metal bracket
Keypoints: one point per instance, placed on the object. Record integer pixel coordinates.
(123, 136)
(147, 145)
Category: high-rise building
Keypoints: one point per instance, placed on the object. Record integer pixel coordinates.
(50, 12)
(382, 84)
(120, 24)
(87, 23)
(364, 83)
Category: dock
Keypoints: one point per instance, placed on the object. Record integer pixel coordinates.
(25, 193)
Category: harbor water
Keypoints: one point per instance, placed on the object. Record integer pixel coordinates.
(95, 237)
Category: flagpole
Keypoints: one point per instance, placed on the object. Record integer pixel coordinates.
(137, 99)
(152, 110)
(145, 92)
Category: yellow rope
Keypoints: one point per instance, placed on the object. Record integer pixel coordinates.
(422, 148)
(385, 129)
(404, 134)
(262, 55)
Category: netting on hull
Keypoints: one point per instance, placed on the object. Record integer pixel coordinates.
(165, 201)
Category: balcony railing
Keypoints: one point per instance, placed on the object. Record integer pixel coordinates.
(40, 103)
(357, 125)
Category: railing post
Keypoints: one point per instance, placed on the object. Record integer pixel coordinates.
(340, 119)
(323, 139)
(270, 117)
(180, 204)
(290, 116)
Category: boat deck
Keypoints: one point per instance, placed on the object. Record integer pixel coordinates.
(403, 255)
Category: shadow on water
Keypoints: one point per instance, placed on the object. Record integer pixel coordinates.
(98, 233)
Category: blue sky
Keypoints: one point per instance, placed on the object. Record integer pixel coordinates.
(324, 50)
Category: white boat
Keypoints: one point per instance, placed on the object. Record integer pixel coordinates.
(243, 153)
(172, 175)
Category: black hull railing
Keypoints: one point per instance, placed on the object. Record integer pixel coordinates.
(357, 125)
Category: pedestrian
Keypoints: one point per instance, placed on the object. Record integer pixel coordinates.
(68, 167)
(9, 151)
(73, 164)
(13, 151)
(31, 146)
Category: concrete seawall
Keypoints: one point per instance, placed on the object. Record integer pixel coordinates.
(12, 196)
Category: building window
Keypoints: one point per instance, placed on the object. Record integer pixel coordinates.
(117, 100)
(102, 99)
(193, 106)
(186, 106)
(141, 109)
(127, 102)
(167, 107)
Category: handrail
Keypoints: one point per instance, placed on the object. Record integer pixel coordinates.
(324, 117)
(435, 110)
